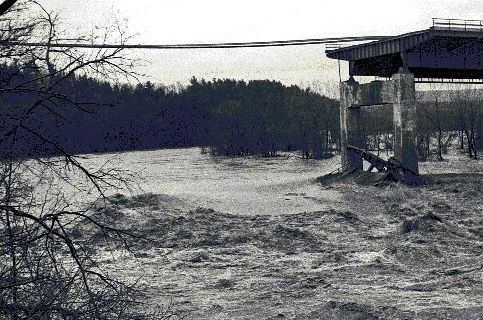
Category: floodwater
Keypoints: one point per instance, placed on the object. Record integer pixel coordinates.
(245, 238)
(241, 185)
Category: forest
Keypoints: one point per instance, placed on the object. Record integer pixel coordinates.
(229, 117)
(223, 116)
(445, 119)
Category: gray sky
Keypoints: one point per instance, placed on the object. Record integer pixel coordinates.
(196, 21)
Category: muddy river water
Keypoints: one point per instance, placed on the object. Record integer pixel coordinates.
(248, 238)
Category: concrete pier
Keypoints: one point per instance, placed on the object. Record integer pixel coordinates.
(405, 135)
(400, 92)
(350, 122)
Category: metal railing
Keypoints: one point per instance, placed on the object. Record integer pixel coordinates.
(458, 24)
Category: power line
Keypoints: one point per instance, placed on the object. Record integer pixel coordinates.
(225, 45)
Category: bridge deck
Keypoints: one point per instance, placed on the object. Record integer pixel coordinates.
(448, 50)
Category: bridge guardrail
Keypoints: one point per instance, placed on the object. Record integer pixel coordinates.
(458, 24)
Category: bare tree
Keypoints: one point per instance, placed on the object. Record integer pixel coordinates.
(48, 271)
(469, 108)
(472, 121)
(439, 130)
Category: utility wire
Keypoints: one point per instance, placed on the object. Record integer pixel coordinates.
(226, 45)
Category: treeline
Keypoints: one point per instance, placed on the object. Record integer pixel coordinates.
(228, 117)
(445, 119)
(450, 118)
(85, 115)
(264, 117)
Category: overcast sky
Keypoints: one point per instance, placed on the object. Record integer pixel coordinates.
(192, 21)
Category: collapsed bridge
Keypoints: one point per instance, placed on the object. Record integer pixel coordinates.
(451, 51)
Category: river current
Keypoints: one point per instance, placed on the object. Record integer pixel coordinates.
(239, 185)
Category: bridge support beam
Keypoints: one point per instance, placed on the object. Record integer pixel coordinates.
(351, 129)
(405, 134)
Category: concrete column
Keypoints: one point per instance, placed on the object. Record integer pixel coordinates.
(350, 122)
(405, 119)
